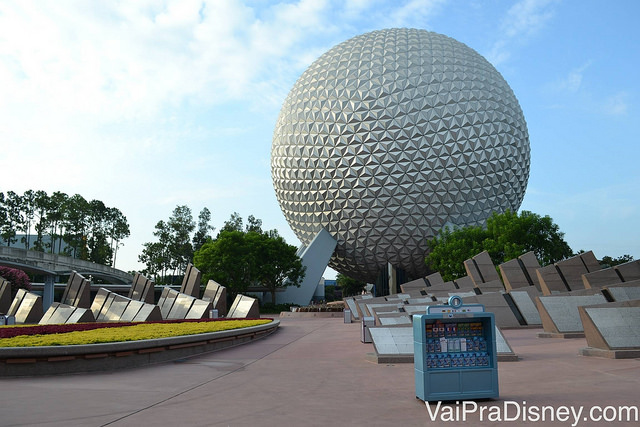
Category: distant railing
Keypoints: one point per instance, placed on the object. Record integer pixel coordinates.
(60, 263)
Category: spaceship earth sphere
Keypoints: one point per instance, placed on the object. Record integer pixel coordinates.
(390, 136)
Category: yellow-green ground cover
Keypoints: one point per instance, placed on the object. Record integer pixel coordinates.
(142, 331)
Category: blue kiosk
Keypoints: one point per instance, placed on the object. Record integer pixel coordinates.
(455, 352)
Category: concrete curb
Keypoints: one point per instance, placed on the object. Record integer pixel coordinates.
(56, 360)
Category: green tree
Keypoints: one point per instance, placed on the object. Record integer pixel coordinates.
(607, 261)
(181, 225)
(118, 229)
(505, 237)
(234, 223)
(28, 208)
(449, 250)
(349, 286)
(12, 217)
(226, 260)
(274, 262)
(238, 258)
(42, 207)
(156, 255)
(202, 232)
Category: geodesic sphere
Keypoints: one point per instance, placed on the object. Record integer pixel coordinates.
(390, 136)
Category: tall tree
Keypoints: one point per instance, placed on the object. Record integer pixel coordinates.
(57, 204)
(182, 225)
(118, 230)
(42, 207)
(13, 217)
(28, 208)
(202, 233)
(233, 223)
(76, 223)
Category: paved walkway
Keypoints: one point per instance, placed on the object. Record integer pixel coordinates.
(312, 372)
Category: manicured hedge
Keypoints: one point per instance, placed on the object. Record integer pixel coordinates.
(27, 330)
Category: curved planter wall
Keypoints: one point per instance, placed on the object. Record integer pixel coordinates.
(54, 360)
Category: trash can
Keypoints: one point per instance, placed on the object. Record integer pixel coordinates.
(367, 322)
(213, 314)
(347, 316)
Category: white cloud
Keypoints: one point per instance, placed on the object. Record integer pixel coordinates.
(522, 21)
(616, 105)
(526, 18)
(416, 11)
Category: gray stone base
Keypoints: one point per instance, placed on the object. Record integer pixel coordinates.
(561, 335)
(59, 360)
(610, 354)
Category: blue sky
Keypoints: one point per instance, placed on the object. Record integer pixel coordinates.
(147, 105)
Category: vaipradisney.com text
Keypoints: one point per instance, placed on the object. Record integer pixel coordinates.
(512, 411)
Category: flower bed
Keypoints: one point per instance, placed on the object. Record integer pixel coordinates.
(94, 333)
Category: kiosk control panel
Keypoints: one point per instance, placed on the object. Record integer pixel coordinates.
(455, 353)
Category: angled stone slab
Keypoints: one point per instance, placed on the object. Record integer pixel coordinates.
(118, 306)
(351, 305)
(181, 306)
(393, 319)
(131, 311)
(393, 340)
(550, 280)
(530, 265)
(446, 286)
(191, 281)
(414, 285)
(472, 271)
(492, 286)
(513, 275)
(464, 283)
(77, 292)
(421, 300)
(560, 316)
(5, 295)
(17, 300)
(244, 307)
(142, 289)
(590, 261)
(99, 301)
(612, 330)
(217, 295)
(629, 270)
(434, 279)
(29, 308)
(57, 314)
(199, 309)
(524, 299)
(485, 267)
(571, 270)
(600, 278)
(418, 308)
(81, 315)
(148, 313)
(104, 312)
(504, 350)
(495, 303)
(166, 301)
(624, 293)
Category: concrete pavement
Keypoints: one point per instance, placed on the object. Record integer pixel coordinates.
(314, 372)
